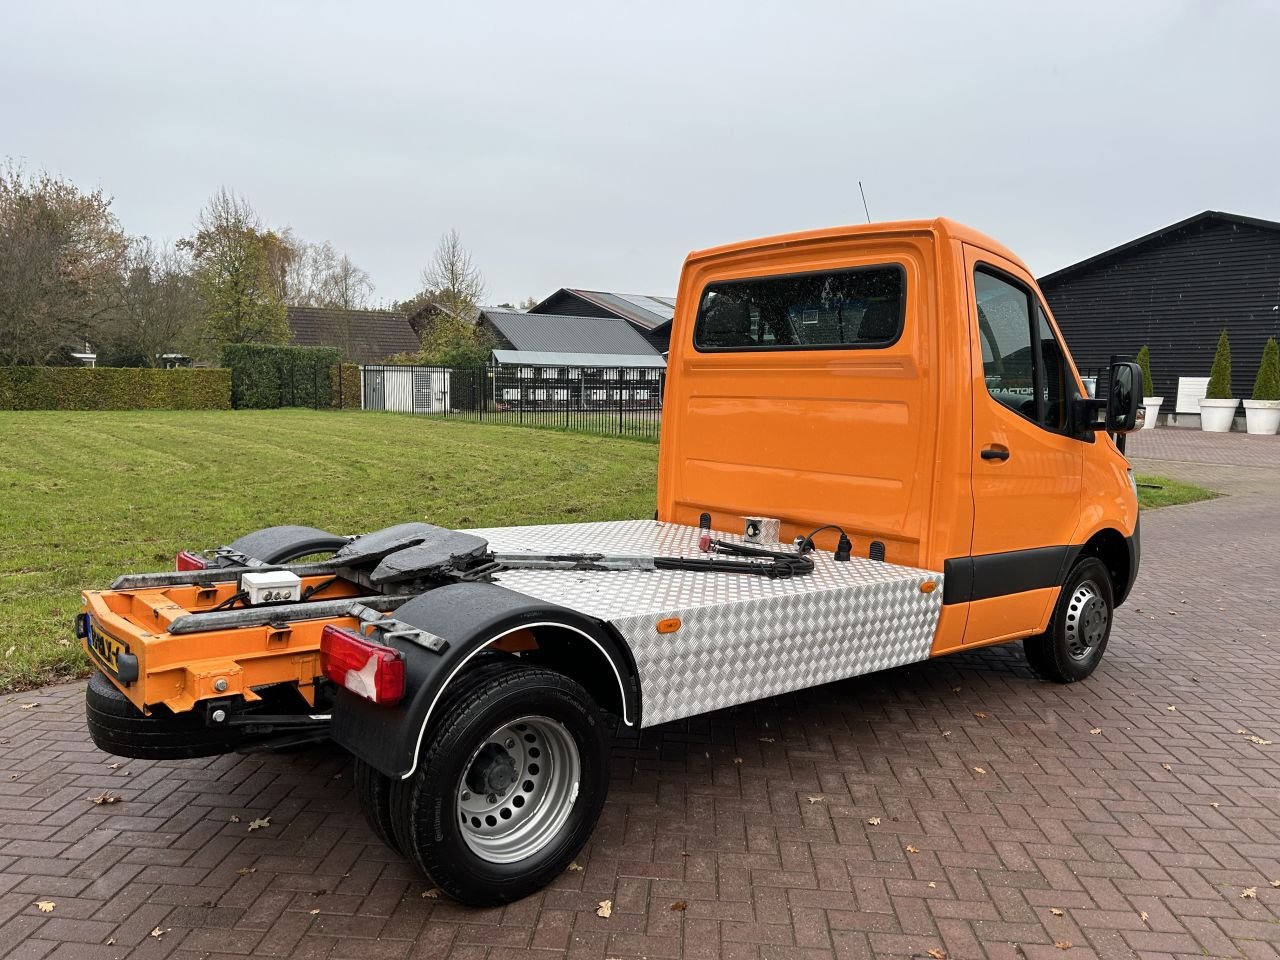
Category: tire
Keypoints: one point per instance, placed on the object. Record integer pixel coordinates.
(118, 727)
(374, 790)
(287, 543)
(508, 733)
(1078, 634)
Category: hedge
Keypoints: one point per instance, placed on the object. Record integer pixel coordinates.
(113, 388)
(264, 377)
(344, 387)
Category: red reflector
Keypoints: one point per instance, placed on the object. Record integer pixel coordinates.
(186, 560)
(367, 669)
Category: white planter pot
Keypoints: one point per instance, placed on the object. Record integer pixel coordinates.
(1153, 411)
(1216, 415)
(1262, 416)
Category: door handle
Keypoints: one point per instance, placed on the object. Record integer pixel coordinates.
(995, 453)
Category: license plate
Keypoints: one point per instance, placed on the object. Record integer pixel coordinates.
(106, 648)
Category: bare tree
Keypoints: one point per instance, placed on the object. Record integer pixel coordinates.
(451, 279)
(158, 309)
(319, 277)
(61, 251)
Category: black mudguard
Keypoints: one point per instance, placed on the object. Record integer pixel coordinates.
(468, 616)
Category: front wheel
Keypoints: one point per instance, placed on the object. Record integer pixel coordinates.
(508, 787)
(1072, 647)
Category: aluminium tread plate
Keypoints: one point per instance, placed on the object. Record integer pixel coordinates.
(742, 637)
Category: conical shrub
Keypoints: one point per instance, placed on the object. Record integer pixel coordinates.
(1267, 384)
(1220, 373)
(1144, 361)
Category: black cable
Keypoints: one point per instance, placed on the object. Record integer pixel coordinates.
(844, 547)
(315, 588)
(231, 601)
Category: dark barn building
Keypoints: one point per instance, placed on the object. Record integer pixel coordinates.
(1175, 290)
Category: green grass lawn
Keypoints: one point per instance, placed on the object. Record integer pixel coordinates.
(1162, 492)
(85, 497)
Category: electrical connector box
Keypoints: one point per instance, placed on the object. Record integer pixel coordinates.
(271, 586)
(760, 529)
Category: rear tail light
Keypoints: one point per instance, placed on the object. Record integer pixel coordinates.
(186, 560)
(367, 669)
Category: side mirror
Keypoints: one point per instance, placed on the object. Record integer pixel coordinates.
(1125, 411)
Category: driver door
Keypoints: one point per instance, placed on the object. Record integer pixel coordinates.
(1027, 468)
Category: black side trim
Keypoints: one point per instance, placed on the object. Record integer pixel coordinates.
(1000, 574)
(1134, 544)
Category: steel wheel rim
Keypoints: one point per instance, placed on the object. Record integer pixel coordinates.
(502, 822)
(1086, 621)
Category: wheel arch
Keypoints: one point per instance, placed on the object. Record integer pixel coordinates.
(1119, 554)
(475, 618)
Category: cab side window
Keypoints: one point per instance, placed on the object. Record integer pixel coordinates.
(1024, 364)
(1004, 326)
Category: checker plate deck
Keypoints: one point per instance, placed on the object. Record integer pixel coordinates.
(743, 637)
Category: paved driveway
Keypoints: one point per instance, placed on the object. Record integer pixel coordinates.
(955, 806)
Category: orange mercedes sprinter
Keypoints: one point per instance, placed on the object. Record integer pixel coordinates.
(875, 449)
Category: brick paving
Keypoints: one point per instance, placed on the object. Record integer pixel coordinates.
(1006, 824)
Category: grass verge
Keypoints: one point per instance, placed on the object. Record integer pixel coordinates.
(85, 497)
(1156, 492)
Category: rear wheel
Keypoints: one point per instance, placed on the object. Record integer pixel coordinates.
(374, 790)
(509, 785)
(118, 727)
(1077, 637)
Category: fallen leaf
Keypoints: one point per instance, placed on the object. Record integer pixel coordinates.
(938, 954)
(1259, 741)
(912, 849)
(158, 933)
(815, 799)
(1171, 708)
(955, 689)
(680, 905)
(946, 733)
(1166, 766)
(111, 941)
(234, 818)
(605, 909)
(434, 893)
(245, 871)
(1055, 911)
(575, 866)
(1215, 804)
(29, 706)
(1062, 944)
(45, 906)
(1143, 916)
(932, 885)
(737, 759)
(1249, 893)
(11, 651)
(981, 716)
(1242, 732)
(1096, 730)
(314, 912)
(104, 798)
(114, 766)
(874, 821)
(259, 823)
(1276, 883)
(979, 770)
(766, 739)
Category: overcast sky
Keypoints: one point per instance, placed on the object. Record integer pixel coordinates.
(595, 144)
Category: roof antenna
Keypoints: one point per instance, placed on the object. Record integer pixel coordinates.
(864, 201)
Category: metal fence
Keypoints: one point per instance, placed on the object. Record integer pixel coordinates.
(620, 401)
